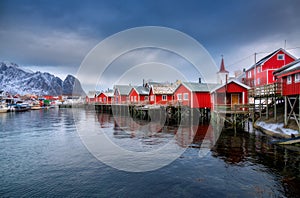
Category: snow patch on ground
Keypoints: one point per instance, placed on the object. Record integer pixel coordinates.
(276, 127)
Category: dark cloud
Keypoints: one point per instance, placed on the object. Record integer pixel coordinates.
(43, 32)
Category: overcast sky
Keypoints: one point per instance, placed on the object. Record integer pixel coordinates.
(55, 36)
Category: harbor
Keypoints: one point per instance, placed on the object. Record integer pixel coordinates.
(55, 156)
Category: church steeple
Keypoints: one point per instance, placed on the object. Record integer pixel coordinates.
(222, 74)
(222, 67)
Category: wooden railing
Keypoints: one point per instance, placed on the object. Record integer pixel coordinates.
(266, 90)
(233, 108)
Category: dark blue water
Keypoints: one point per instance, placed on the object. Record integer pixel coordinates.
(41, 154)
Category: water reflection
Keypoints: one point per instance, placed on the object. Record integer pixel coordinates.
(185, 136)
(235, 148)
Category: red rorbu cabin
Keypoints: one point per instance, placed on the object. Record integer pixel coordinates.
(139, 94)
(261, 73)
(230, 94)
(121, 94)
(162, 94)
(194, 95)
(289, 75)
(105, 98)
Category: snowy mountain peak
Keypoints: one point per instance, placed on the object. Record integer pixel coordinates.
(17, 80)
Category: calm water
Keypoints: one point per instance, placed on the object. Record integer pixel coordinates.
(41, 154)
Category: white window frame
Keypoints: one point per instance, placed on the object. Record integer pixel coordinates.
(152, 98)
(134, 99)
(179, 97)
(249, 74)
(289, 80)
(297, 77)
(258, 81)
(164, 97)
(259, 69)
(185, 96)
(279, 56)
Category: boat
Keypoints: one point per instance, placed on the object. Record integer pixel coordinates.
(20, 107)
(287, 141)
(3, 109)
(36, 107)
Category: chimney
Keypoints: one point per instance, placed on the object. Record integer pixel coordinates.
(199, 80)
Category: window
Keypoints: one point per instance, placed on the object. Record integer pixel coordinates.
(135, 99)
(249, 74)
(297, 77)
(131, 98)
(104, 99)
(280, 56)
(258, 81)
(100, 99)
(185, 96)
(164, 97)
(152, 98)
(179, 97)
(146, 98)
(289, 80)
(258, 69)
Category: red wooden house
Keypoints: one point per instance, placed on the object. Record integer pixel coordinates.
(162, 94)
(289, 76)
(121, 94)
(261, 73)
(194, 95)
(139, 94)
(105, 98)
(230, 94)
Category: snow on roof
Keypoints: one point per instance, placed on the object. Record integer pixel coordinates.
(164, 89)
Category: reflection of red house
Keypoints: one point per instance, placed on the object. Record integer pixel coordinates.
(262, 72)
(194, 95)
(105, 98)
(162, 94)
(139, 94)
(230, 94)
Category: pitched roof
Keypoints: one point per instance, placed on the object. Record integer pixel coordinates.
(266, 58)
(164, 89)
(109, 94)
(230, 81)
(123, 89)
(141, 90)
(199, 87)
(291, 67)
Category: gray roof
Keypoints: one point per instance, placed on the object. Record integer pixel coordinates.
(123, 89)
(200, 87)
(293, 66)
(142, 90)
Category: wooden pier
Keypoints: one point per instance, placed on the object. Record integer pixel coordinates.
(233, 116)
(171, 115)
(266, 100)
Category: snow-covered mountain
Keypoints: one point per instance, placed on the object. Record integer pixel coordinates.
(17, 80)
